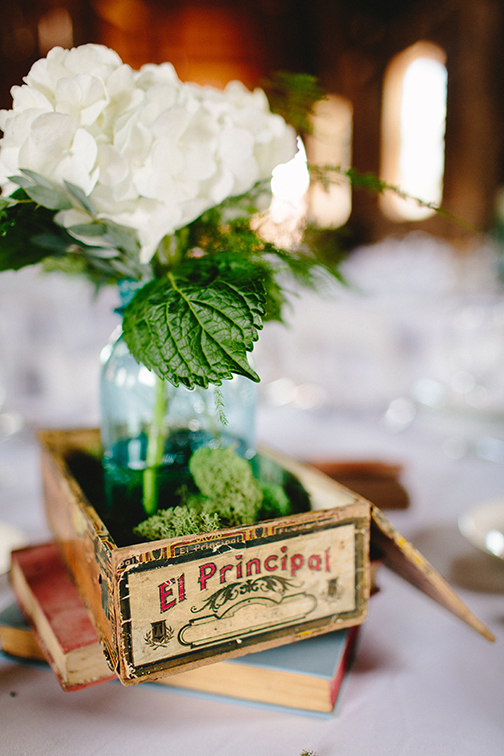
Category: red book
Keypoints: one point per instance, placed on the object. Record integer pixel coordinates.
(59, 618)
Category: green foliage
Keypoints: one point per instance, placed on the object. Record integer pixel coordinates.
(293, 96)
(29, 235)
(328, 174)
(219, 406)
(41, 191)
(177, 521)
(209, 287)
(194, 333)
(19, 224)
(215, 280)
(81, 198)
(224, 242)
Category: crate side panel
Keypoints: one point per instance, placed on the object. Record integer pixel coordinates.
(85, 546)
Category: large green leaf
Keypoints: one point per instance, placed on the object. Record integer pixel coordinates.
(194, 334)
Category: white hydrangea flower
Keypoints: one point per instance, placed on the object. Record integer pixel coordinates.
(152, 153)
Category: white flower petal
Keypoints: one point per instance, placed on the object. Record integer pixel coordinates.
(50, 139)
(25, 97)
(235, 146)
(92, 58)
(17, 127)
(68, 169)
(134, 142)
(82, 90)
(171, 123)
(84, 149)
(113, 167)
(150, 75)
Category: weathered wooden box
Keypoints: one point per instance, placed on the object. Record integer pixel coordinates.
(169, 605)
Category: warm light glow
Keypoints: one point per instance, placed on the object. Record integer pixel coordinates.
(330, 144)
(293, 197)
(414, 115)
(55, 29)
(289, 185)
(283, 222)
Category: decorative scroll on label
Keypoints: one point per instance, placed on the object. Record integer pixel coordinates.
(243, 592)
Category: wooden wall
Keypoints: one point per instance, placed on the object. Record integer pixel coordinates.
(347, 43)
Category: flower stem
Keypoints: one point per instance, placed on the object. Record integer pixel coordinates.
(155, 447)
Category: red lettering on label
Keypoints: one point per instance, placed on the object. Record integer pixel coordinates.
(315, 562)
(206, 572)
(254, 563)
(284, 558)
(297, 561)
(164, 593)
(267, 561)
(239, 567)
(223, 571)
(181, 588)
(327, 565)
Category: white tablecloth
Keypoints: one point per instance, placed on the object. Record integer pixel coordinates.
(423, 683)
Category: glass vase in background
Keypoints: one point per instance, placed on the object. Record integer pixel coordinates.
(150, 429)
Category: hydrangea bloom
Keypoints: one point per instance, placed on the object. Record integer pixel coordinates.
(152, 153)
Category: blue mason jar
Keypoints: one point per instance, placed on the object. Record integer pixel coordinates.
(150, 429)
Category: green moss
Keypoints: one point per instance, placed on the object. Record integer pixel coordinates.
(229, 495)
(176, 521)
(227, 484)
(275, 502)
(216, 471)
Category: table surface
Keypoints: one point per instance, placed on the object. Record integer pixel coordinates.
(423, 683)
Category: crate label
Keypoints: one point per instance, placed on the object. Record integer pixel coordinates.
(206, 601)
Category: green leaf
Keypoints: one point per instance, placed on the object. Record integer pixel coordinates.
(81, 198)
(293, 96)
(193, 334)
(124, 269)
(122, 237)
(21, 181)
(87, 229)
(50, 198)
(54, 242)
(103, 253)
(36, 178)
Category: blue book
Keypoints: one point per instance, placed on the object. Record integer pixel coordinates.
(304, 675)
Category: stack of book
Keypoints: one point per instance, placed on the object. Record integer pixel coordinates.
(50, 622)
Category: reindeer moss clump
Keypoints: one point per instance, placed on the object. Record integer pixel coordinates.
(227, 484)
(176, 521)
(228, 495)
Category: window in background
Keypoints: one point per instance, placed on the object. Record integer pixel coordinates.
(413, 129)
(54, 29)
(330, 144)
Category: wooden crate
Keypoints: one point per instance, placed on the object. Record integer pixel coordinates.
(170, 605)
(174, 604)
